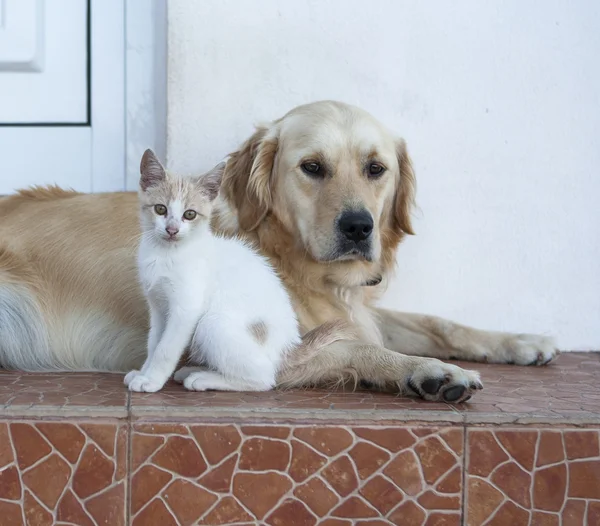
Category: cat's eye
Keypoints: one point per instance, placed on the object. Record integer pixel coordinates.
(161, 210)
(189, 215)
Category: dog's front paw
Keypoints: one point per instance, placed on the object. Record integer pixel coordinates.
(140, 383)
(442, 382)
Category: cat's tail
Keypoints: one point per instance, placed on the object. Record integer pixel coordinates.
(308, 365)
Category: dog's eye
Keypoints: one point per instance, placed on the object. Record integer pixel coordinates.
(312, 168)
(190, 215)
(376, 169)
(161, 210)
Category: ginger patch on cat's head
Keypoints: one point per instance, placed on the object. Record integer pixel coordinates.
(172, 206)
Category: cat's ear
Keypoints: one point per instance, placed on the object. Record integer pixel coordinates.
(210, 182)
(152, 172)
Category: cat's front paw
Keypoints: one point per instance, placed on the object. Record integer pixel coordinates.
(140, 383)
(130, 376)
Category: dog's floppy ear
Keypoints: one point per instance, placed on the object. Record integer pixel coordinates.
(405, 192)
(248, 177)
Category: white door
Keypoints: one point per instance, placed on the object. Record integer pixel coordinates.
(62, 94)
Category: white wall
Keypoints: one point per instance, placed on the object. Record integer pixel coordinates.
(499, 103)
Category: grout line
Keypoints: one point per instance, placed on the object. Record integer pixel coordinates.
(128, 460)
(465, 455)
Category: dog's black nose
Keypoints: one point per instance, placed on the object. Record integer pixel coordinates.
(356, 226)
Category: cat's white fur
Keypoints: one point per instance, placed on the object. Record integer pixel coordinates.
(213, 294)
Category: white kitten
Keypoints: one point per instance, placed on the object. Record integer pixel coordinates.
(214, 294)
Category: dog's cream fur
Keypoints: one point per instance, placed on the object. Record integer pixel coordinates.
(69, 296)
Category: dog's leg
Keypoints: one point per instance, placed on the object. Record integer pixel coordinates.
(421, 335)
(347, 362)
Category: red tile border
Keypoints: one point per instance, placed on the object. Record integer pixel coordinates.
(546, 476)
(314, 474)
(54, 472)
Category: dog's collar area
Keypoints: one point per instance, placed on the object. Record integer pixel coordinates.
(372, 282)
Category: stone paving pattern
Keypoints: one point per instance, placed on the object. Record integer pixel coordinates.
(79, 450)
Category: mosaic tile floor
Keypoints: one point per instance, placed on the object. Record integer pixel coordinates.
(78, 449)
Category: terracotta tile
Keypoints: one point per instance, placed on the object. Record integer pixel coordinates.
(219, 478)
(355, 508)
(389, 438)
(35, 514)
(381, 493)
(291, 512)
(155, 514)
(430, 501)
(509, 514)
(188, 501)
(260, 492)
(593, 513)
(573, 513)
(317, 496)
(551, 449)
(549, 488)
(327, 440)
(485, 453)
(6, 454)
(12, 516)
(10, 484)
(66, 438)
(266, 431)
(514, 482)
(48, 479)
(109, 506)
(70, 510)
(142, 447)
(368, 458)
(435, 459)
(122, 452)
(227, 511)
(520, 445)
(407, 514)
(217, 442)
(454, 437)
(404, 470)
(544, 519)
(582, 444)
(102, 435)
(423, 431)
(180, 455)
(445, 519)
(161, 429)
(146, 484)
(263, 454)
(451, 483)
(23, 391)
(584, 479)
(94, 472)
(304, 462)
(340, 475)
(29, 445)
(482, 501)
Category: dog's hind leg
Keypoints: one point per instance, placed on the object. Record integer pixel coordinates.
(23, 331)
(421, 335)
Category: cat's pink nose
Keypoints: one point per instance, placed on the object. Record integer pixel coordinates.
(172, 230)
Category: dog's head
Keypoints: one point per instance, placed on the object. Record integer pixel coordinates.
(333, 176)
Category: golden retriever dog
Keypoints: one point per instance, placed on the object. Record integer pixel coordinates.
(325, 193)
